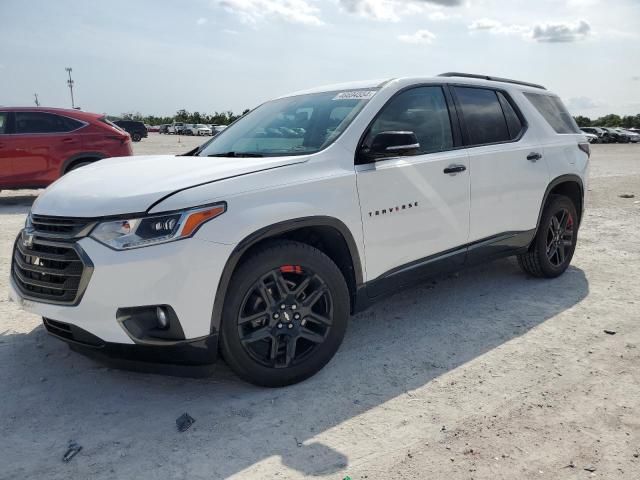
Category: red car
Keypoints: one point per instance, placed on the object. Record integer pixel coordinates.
(39, 145)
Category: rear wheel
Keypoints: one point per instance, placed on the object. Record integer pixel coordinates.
(285, 315)
(555, 241)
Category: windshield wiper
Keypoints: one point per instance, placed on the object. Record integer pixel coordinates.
(234, 154)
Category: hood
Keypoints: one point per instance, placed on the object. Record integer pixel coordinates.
(122, 185)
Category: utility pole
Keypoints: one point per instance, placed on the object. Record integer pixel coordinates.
(36, 97)
(70, 83)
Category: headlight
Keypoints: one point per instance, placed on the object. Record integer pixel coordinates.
(124, 234)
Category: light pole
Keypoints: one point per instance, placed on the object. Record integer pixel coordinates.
(36, 99)
(70, 83)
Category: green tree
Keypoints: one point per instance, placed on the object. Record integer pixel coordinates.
(582, 121)
(611, 120)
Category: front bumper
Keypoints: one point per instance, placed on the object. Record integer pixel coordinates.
(183, 275)
(199, 351)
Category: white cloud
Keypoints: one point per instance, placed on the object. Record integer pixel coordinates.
(292, 11)
(438, 15)
(392, 10)
(496, 27)
(419, 37)
(561, 32)
(550, 32)
(201, 21)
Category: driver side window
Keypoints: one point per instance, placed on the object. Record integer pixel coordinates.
(421, 110)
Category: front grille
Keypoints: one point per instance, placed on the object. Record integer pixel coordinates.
(61, 227)
(48, 265)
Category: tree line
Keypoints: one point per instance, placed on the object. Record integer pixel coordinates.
(217, 118)
(225, 118)
(611, 120)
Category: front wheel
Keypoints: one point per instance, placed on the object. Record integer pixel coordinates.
(555, 241)
(136, 137)
(285, 314)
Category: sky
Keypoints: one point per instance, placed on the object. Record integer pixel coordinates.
(156, 57)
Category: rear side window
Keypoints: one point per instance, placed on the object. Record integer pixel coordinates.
(40, 122)
(483, 115)
(554, 112)
(3, 122)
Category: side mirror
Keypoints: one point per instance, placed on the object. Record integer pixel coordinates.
(394, 143)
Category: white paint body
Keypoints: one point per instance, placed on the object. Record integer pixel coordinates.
(500, 191)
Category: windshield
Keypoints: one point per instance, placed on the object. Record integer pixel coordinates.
(290, 126)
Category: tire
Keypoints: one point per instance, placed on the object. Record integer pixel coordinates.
(281, 346)
(555, 242)
(136, 137)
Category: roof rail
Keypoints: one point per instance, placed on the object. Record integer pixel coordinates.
(487, 77)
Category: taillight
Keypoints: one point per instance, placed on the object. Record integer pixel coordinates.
(586, 148)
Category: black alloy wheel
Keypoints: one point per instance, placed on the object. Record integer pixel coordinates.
(552, 248)
(285, 316)
(559, 237)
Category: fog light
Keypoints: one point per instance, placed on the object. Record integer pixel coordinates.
(163, 321)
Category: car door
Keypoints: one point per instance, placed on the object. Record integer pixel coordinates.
(414, 204)
(45, 140)
(7, 152)
(508, 178)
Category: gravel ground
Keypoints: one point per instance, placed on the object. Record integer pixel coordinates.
(484, 374)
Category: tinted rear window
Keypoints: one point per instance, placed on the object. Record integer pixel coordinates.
(3, 122)
(554, 112)
(41, 122)
(482, 115)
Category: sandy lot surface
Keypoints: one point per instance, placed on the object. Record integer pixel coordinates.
(487, 374)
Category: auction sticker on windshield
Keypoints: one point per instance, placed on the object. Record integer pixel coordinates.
(355, 95)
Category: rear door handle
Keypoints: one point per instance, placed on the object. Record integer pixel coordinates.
(534, 156)
(455, 169)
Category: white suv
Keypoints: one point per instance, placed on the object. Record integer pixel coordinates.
(265, 239)
(197, 129)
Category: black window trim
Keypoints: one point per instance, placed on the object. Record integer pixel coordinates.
(507, 96)
(12, 115)
(456, 131)
(8, 126)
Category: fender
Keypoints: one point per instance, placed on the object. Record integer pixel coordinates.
(272, 231)
(88, 155)
(554, 183)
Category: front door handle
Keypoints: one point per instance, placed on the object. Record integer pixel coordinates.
(455, 169)
(534, 156)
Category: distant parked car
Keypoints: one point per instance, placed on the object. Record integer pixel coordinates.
(38, 145)
(163, 128)
(591, 137)
(136, 129)
(153, 128)
(175, 128)
(196, 129)
(603, 137)
(216, 129)
(615, 135)
(633, 136)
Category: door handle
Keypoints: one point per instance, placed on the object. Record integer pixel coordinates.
(534, 156)
(455, 169)
(68, 140)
